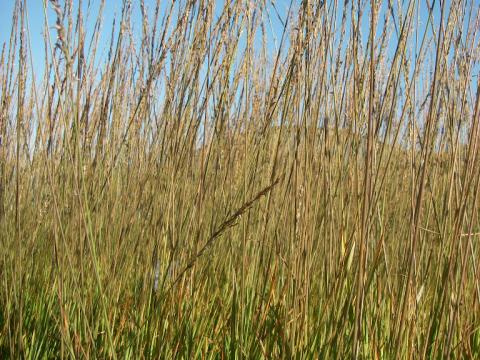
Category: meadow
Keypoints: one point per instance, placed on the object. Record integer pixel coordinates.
(241, 179)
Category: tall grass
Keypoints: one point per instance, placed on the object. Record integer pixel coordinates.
(239, 179)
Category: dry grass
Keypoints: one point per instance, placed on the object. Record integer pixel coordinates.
(210, 190)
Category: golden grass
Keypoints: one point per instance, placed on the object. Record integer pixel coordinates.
(213, 191)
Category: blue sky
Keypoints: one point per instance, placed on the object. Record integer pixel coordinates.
(36, 19)
(113, 8)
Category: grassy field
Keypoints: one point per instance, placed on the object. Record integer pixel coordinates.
(241, 179)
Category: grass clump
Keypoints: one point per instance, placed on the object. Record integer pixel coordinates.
(241, 179)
